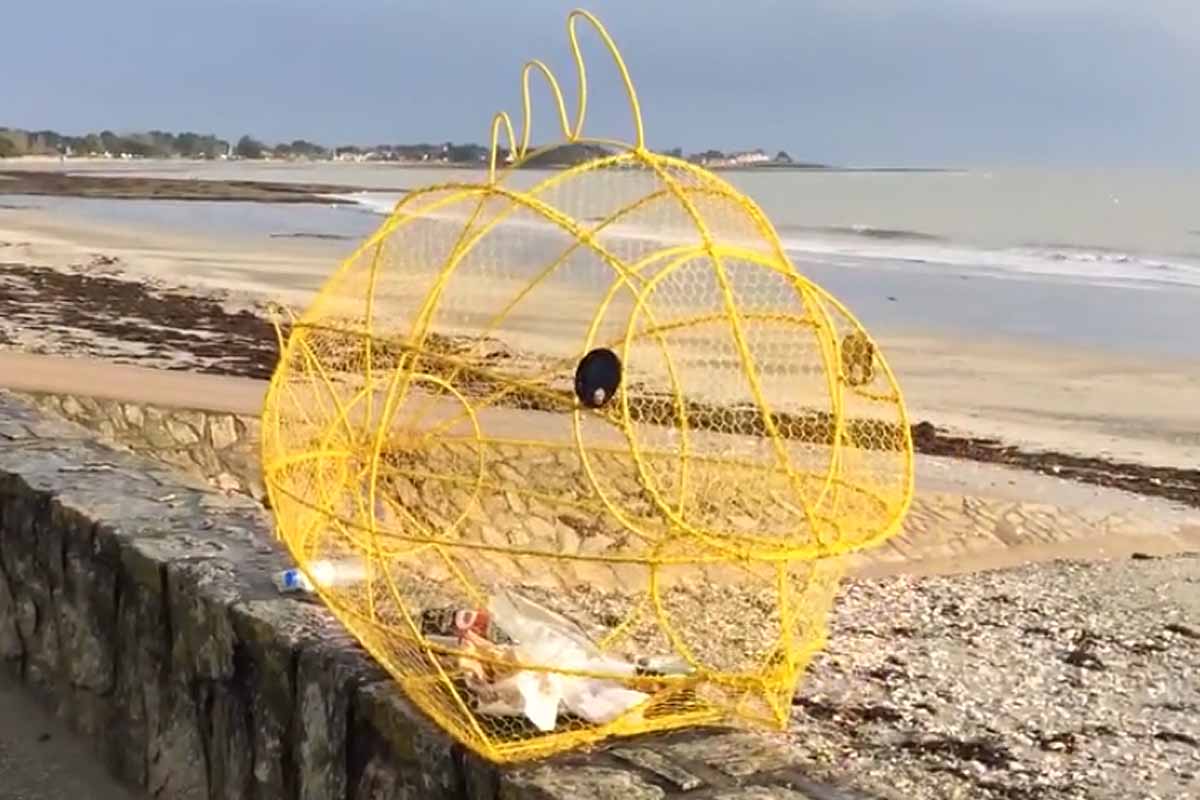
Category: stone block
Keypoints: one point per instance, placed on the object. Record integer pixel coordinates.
(578, 783)
(222, 432)
(72, 408)
(327, 675)
(184, 434)
(133, 414)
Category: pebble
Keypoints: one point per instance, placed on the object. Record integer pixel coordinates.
(1015, 718)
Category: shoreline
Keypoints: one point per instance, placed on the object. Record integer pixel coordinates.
(96, 310)
(1101, 415)
(45, 183)
(796, 166)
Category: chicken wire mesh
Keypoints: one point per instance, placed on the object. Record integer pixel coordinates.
(582, 459)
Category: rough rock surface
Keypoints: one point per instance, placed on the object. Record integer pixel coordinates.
(222, 449)
(219, 447)
(140, 602)
(1061, 680)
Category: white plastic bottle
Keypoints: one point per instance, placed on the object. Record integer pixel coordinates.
(326, 573)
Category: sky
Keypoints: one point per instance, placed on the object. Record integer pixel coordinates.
(856, 82)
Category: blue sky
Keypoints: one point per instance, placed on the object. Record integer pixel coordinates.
(1072, 82)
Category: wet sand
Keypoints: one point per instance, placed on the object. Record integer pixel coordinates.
(179, 301)
(121, 320)
(46, 183)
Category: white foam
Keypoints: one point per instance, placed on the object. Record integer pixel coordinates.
(1084, 265)
(862, 246)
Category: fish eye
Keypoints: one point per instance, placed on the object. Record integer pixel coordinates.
(597, 377)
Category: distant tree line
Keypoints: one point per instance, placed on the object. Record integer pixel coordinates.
(162, 144)
(150, 144)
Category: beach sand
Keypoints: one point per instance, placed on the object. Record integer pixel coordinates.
(1119, 406)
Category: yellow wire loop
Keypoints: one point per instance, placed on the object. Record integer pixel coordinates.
(571, 133)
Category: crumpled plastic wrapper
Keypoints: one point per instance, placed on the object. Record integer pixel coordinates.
(539, 636)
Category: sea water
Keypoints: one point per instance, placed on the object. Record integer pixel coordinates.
(1106, 259)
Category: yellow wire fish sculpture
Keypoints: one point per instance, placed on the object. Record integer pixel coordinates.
(579, 453)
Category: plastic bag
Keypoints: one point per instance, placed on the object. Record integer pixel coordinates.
(545, 638)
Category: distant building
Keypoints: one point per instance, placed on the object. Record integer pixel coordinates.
(716, 158)
(750, 157)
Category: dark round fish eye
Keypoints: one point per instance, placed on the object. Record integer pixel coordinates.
(597, 377)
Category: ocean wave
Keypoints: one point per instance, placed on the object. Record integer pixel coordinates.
(1097, 266)
(371, 203)
(864, 231)
(867, 246)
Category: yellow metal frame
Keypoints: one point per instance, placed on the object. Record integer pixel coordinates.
(348, 442)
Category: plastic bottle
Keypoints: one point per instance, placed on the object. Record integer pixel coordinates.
(327, 573)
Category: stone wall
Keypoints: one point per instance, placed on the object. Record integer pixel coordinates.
(221, 448)
(139, 603)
